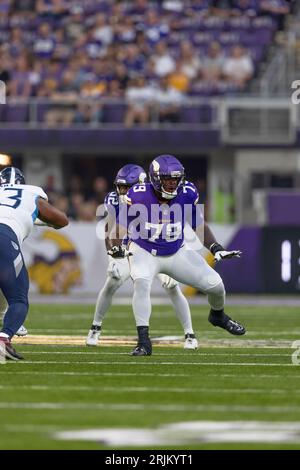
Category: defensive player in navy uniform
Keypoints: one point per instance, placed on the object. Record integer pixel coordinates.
(157, 245)
(118, 269)
(20, 206)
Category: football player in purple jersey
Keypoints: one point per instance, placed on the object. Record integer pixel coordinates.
(155, 215)
(118, 269)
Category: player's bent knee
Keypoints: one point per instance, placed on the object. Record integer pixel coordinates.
(112, 285)
(219, 289)
(142, 286)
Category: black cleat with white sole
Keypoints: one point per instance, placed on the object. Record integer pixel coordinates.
(222, 320)
(141, 350)
(8, 351)
(144, 346)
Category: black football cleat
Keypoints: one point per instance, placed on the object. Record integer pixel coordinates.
(144, 349)
(7, 351)
(225, 322)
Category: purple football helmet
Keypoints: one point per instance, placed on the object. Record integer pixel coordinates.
(127, 176)
(167, 176)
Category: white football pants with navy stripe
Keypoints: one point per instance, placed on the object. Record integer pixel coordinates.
(186, 266)
(14, 281)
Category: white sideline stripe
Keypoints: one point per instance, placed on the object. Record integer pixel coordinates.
(163, 331)
(150, 407)
(149, 374)
(127, 363)
(169, 389)
(183, 354)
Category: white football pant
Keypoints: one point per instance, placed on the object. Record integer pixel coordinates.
(118, 272)
(186, 266)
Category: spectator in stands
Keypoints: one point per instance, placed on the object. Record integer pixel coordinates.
(20, 84)
(76, 200)
(138, 9)
(92, 88)
(62, 49)
(155, 30)
(100, 187)
(222, 7)
(167, 101)
(5, 73)
(44, 44)
(67, 88)
(65, 96)
(88, 113)
(55, 9)
(87, 211)
(246, 7)
(61, 202)
(16, 42)
(120, 74)
(114, 89)
(139, 97)
(103, 31)
(74, 24)
(213, 63)
(47, 89)
(190, 62)
(162, 63)
(134, 61)
(238, 68)
(24, 6)
(125, 31)
(178, 79)
(275, 8)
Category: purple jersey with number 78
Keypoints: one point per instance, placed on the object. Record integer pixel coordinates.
(159, 227)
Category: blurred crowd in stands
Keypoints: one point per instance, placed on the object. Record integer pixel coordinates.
(150, 53)
(80, 201)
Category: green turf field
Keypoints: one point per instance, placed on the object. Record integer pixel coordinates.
(251, 391)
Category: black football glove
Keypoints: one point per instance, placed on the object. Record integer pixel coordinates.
(118, 252)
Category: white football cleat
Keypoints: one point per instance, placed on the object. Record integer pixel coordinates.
(191, 342)
(93, 336)
(22, 331)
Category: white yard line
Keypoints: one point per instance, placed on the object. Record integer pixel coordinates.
(169, 389)
(148, 407)
(143, 363)
(100, 352)
(149, 374)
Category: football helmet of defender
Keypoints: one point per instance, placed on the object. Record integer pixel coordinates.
(118, 269)
(152, 255)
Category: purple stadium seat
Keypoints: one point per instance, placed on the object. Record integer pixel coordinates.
(114, 113)
(41, 111)
(17, 113)
(201, 114)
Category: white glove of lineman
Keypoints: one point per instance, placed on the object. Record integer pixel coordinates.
(119, 251)
(219, 252)
(227, 254)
